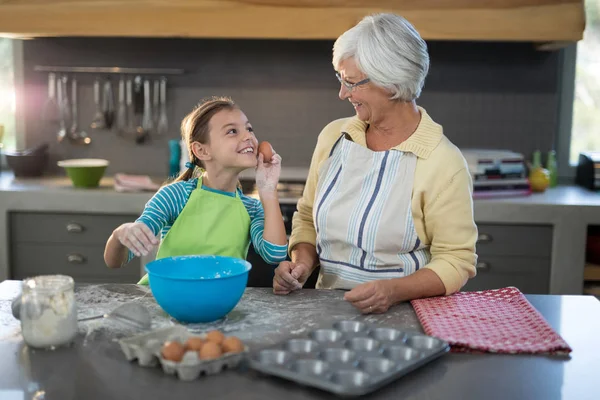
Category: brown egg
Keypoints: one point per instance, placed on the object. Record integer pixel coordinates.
(194, 343)
(232, 345)
(215, 337)
(210, 351)
(267, 151)
(173, 351)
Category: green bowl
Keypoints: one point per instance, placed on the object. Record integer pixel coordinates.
(85, 172)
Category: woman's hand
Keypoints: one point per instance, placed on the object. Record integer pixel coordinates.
(267, 175)
(137, 237)
(372, 297)
(290, 276)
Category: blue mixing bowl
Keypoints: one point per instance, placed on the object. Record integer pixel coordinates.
(199, 288)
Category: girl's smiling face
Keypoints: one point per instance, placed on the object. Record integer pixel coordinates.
(231, 144)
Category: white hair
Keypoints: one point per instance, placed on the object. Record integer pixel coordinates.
(388, 49)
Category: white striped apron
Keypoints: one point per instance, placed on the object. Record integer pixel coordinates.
(362, 215)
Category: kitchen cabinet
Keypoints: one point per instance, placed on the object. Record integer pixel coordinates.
(492, 20)
(73, 244)
(65, 243)
(513, 255)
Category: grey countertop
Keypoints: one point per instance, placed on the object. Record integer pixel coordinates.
(95, 368)
(569, 209)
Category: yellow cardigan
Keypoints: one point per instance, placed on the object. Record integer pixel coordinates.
(442, 203)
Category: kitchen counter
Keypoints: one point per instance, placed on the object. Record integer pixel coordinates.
(569, 209)
(95, 368)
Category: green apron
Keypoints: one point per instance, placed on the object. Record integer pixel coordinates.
(210, 223)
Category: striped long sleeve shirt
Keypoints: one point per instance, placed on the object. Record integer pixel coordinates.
(164, 207)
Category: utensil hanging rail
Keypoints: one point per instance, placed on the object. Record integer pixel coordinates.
(110, 70)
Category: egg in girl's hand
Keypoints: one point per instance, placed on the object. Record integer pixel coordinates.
(267, 151)
(173, 351)
(215, 337)
(210, 351)
(194, 343)
(232, 344)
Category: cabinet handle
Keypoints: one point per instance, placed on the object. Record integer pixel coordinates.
(74, 227)
(75, 258)
(484, 238)
(483, 266)
(286, 219)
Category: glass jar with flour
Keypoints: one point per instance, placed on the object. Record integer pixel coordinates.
(48, 311)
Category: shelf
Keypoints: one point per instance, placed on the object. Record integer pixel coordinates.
(110, 70)
(593, 290)
(539, 21)
(591, 272)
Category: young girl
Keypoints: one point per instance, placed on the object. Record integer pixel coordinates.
(209, 214)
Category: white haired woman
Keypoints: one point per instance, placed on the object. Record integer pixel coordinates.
(387, 210)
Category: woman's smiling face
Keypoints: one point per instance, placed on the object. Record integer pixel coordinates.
(369, 101)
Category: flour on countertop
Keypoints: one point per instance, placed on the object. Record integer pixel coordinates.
(260, 318)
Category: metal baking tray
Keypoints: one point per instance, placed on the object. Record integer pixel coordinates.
(349, 358)
(145, 348)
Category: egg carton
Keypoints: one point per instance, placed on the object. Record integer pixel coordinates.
(348, 358)
(146, 349)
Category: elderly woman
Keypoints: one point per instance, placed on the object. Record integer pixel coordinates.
(387, 209)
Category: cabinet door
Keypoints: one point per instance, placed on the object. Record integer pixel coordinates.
(27, 227)
(514, 240)
(69, 244)
(85, 264)
(261, 274)
(529, 275)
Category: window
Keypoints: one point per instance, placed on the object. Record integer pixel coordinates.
(585, 132)
(7, 93)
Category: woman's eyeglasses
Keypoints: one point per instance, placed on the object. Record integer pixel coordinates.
(351, 86)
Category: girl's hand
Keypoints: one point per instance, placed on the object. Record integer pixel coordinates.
(137, 237)
(267, 175)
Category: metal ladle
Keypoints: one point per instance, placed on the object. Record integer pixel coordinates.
(133, 314)
(75, 135)
(62, 132)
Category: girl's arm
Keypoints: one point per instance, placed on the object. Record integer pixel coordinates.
(133, 237)
(267, 177)
(271, 250)
(274, 228)
(140, 237)
(267, 229)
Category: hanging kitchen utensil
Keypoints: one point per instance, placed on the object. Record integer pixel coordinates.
(155, 102)
(98, 120)
(133, 314)
(147, 124)
(108, 105)
(138, 106)
(62, 130)
(131, 126)
(51, 110)
(163, 124)
(121, 109)
(65, 109)
(75, 135)
(66, 105)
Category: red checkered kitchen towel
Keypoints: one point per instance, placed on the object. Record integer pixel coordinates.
(495, 321)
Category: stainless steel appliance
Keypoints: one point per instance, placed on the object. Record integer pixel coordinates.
(497, 173)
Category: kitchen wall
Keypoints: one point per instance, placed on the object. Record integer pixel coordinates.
(493, 95)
